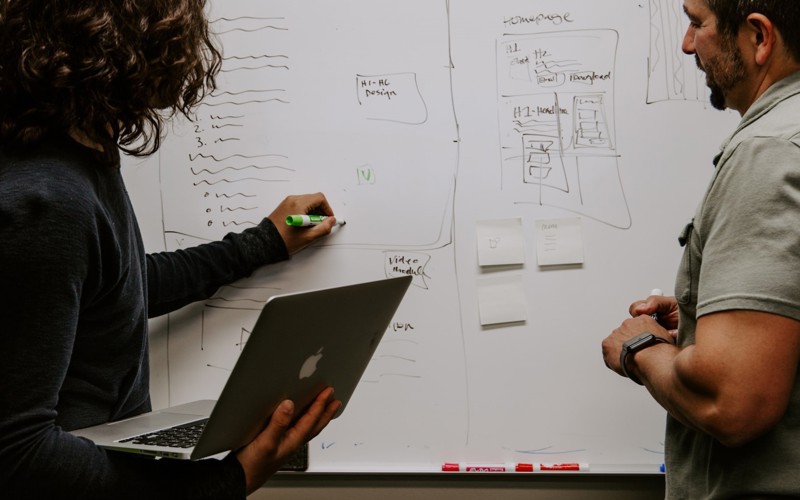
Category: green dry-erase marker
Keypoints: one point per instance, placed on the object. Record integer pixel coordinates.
(309, 220)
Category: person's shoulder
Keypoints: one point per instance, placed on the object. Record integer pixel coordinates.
(772, 119)
(50, 168)
(46, 184)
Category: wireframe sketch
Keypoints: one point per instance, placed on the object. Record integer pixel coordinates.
(556, 118)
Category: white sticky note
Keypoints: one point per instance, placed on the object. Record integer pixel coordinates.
(500, 242)
(559, 242)
(501, 299)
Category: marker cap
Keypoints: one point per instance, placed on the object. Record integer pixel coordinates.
(297, 220)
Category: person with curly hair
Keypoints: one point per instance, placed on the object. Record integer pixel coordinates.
(80, 82)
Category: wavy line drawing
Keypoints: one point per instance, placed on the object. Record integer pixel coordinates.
(236, 209)
(193, 157)
(251, 68)
(557, 64)
(234, 195)
(229, 181)
(253, 30)
(249, 18)
(237, 223)
(542, 133)
(262, 56)
(243, 103)
(228, 92)
(214, 172)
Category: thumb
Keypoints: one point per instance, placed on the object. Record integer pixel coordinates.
(280, 422)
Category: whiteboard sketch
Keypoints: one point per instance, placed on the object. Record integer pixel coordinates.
(271, 94)
(671, 74)
(361, 118)
(556, 117)
(417, 119)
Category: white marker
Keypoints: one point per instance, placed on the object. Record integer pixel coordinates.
(656, 291)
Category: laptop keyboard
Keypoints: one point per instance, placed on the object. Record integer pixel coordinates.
(180, 436)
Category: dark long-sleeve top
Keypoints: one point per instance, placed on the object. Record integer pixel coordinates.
(76, 291)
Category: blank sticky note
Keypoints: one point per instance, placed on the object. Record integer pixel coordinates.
(500, 242)
(559, 242)
(501, 299)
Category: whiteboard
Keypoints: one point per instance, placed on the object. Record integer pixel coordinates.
(423, 121)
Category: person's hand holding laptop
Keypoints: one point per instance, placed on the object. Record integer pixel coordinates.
(280, 393)
(260, 459)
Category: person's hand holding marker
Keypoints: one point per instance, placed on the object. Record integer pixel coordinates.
(310, 220)
(305, 204)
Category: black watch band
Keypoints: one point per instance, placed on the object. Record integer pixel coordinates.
(634, 345)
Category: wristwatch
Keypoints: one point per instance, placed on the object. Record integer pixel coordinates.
(634, 345)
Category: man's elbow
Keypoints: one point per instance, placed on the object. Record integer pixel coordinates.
(737, 425)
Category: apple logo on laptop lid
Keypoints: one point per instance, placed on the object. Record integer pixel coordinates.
(310, 365)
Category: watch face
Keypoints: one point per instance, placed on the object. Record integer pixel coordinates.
(639, 342)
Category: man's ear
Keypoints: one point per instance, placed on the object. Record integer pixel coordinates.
(762, 37)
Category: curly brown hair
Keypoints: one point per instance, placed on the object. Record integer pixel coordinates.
(112, 70)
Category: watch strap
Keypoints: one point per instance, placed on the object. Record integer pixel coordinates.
(628, 352)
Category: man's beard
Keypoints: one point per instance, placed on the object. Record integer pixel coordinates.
(716, 97)
(723, 73)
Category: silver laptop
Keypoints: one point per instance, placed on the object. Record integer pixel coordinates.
(301, 344)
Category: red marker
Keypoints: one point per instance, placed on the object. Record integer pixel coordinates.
(551, 467)
(456, 467)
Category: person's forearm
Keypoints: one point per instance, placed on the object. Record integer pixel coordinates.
(682, 385)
